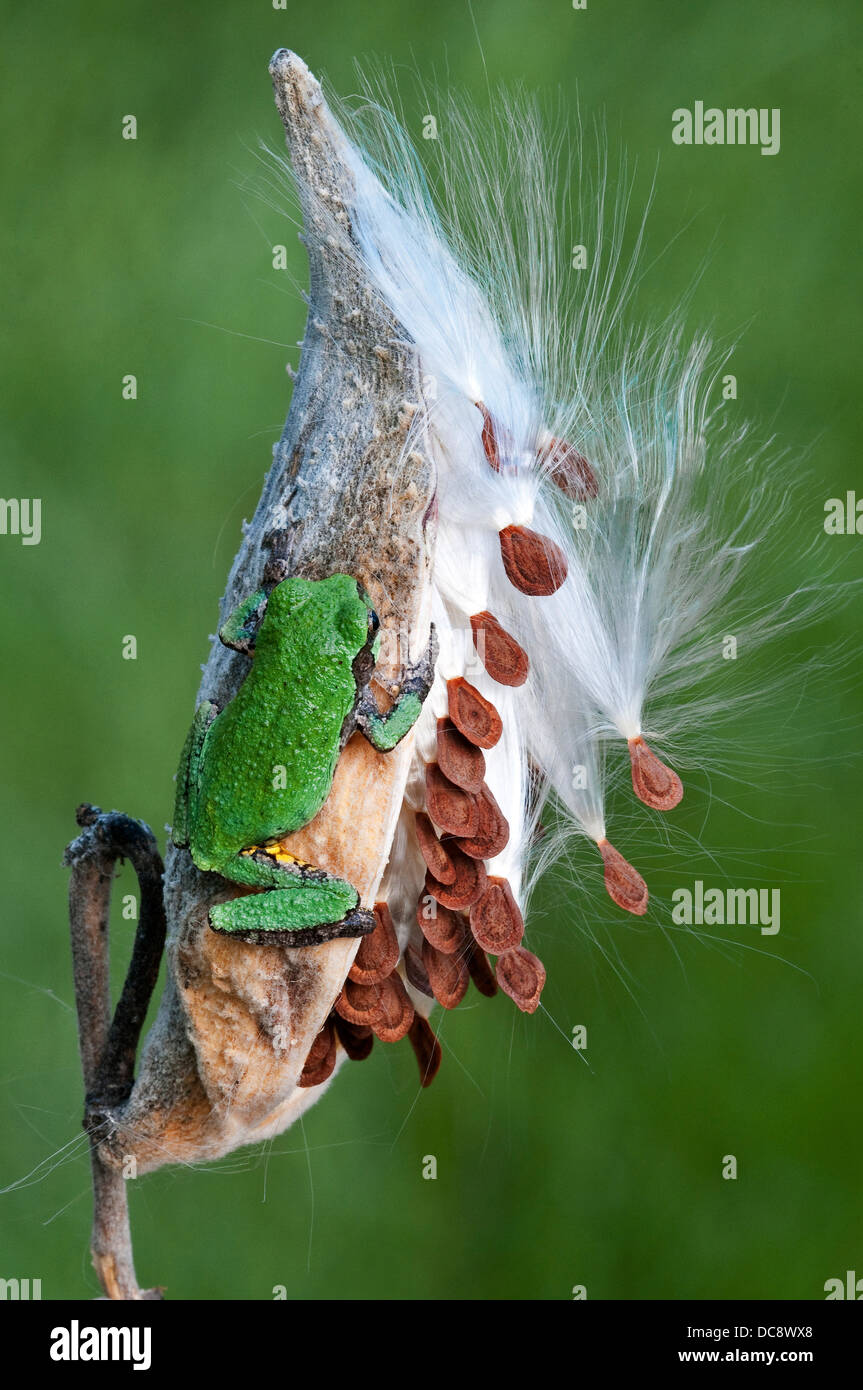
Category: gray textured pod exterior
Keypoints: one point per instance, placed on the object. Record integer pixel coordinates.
(345, 493)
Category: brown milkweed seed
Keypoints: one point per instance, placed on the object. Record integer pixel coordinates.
(436, 858)
(426, 1049)
(356, 1038)
(503, 658)
(489, 438)
(654, 783)
(448, 975)
(496, 920)
(395, 1011)
(492, 833)
(521, 975)
(533, 563)
(450, 807)
(473, 715)
(569, 470)
(459, 759)
(378, 954)
(445, 930)
(481, 972)
(624, 885)
(416, 971)
(470, 879)
(381, 1006)
(321, 1060)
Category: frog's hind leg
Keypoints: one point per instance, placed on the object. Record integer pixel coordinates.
(303, 906)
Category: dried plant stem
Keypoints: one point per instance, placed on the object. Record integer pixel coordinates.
(108, 1045)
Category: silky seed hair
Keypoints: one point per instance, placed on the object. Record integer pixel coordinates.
(586, 473)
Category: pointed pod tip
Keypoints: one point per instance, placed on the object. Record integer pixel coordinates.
(623, 883)
(653, 782)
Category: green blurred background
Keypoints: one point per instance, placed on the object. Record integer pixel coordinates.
(551, 1173)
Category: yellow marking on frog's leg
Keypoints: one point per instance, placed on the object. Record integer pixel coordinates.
(276, 851)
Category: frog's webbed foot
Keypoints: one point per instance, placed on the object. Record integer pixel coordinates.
(304, 906)
(384, 731)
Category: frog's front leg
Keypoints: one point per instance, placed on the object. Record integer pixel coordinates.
(384, 731)
(303, 907)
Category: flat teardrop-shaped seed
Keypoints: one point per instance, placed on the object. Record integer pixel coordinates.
(481, 972)
(569, 470)
(459, 759)
(443, 928)
(492, 834)
(436, 858)
(470, 880)
(426, 1048)
(448, 975)
(495, 919)
(321, 1061)
(489, 438)
(653, 782)
(504, 659)
(450, 807)
(416, 971)
(521, 975)
(624, 885)
(378, 954)
(395, 1013)
(356, 1038)
(533, 563)
(384, 1007)
(473, 715)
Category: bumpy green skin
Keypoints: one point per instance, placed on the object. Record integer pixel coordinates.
(314, 647)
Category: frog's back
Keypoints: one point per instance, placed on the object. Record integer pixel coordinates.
(271, 754)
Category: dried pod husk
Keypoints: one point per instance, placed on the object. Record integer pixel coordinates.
(378, 953)
(449, 976)
(505, 659)
(427, 1049)
(459, 760)
(495, 919)
(623, 883)
(437, 860)
(569, 470)
(450, 807)
(653, 782)
(444, 929)
(469, 883)
(533, 563)
(473, 715)
(521, 975)
(492, 832)
(321, 1060)
(356, 1038)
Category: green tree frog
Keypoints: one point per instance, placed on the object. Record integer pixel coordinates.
(263, 766)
